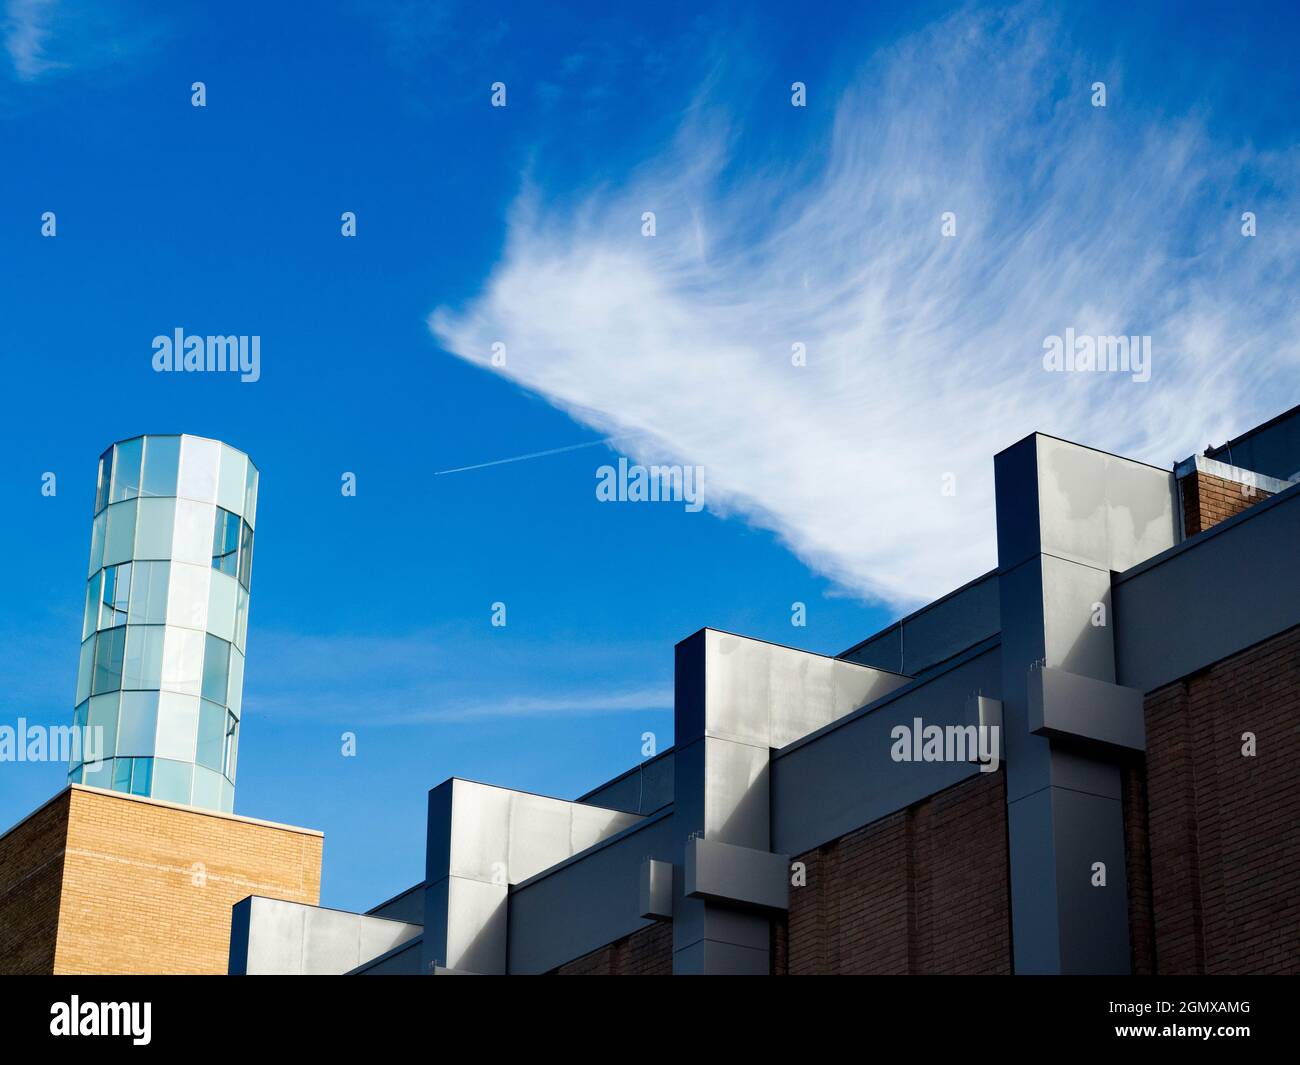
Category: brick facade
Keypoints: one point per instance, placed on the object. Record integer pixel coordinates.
(1220, 889)
(1208, 500)
(31, 880)
(924, 890)
(648, 952)
(120, 885)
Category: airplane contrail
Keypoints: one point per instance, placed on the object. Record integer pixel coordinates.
(531, 455)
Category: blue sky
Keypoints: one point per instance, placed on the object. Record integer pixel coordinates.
(522, 225)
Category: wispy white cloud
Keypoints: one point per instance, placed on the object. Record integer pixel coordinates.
(445, 677)
(924, 352)
(46, 39)
(27, 31)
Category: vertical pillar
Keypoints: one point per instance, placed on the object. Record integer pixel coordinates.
(1067, 517)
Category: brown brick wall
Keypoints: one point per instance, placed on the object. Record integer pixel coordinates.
(1222, 830)
(31, 875)
(146, 887)
(921, 891)
(648, 952)
(1208, 500)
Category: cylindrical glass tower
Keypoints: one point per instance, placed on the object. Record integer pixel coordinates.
(162, 653)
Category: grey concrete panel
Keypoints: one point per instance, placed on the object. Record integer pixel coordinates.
(1210, 597)
(739, 875)
(289, 938)
(1067, 705)
(845, 777)
(587, 902)
(655, 897)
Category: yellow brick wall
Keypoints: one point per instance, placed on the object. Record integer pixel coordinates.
(148, 886)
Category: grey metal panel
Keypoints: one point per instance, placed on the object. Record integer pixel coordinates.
(1273, 448)
(845, 777)
(738, 875)
(642, 790)
(289, 938)
(768, 696)
(585, 903)
(884, 650)
(407, 906)
(1064, 704)
(1205, 601)
(951, 625)
(403, 960)
(719, 958)
(1071, 640)
(481, 840)
(656, 890)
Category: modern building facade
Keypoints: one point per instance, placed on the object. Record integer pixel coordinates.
(1081, 762)
(161, 674)
(135, 865)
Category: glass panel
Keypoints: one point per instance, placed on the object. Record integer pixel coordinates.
(250, 496)
(121, 774)
(192, 540)
(187, 599)
(161, 461)
(90, 620)
(138, 723)
(221, 606)
(97, 544)
(78, 739)
(234, 474)
(74, 777)
(103, 727)
(141, 775)
(120, 539)
(171, 780)
(207, 789)
(246, 558)
(182, 661)
(241, 619)
(84, 669)
(178, 726)
(115, 595)
(102, 483)
(142, 666)
(149, 593)
(154, 528)
(235, 693)
(126, 470)
(231, 748)
(216, 669)
(212, 735)
(225, 542)
(108, 660)
(98, 775)
(227, 797)
(200, 460)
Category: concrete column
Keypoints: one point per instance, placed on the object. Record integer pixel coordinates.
(1067, 517)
